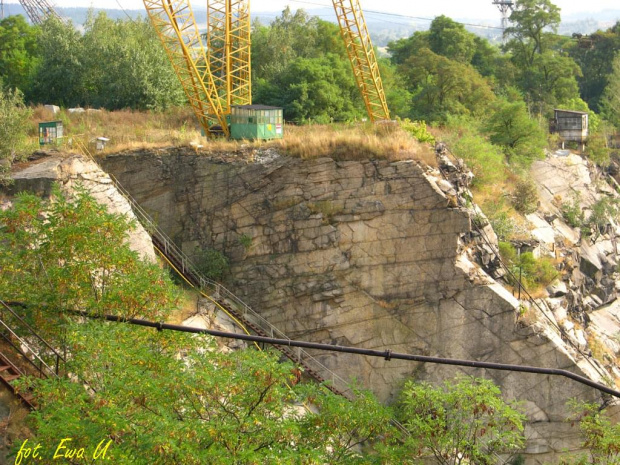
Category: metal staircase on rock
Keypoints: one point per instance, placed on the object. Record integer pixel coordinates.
(23, 343)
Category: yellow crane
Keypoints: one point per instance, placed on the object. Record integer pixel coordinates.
(217, 75)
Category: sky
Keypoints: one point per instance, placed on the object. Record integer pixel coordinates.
(480, 9)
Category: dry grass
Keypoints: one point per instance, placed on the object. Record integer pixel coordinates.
(128, 130)
(354, 142)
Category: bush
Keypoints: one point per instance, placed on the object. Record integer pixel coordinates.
(534, 273)
(602, 438)
(603, 211)
(14, 124)
(572, 213)
(212, 264)
(484, 159)
(525, 198)
(465, 421)
(418, 130)
(499, 216)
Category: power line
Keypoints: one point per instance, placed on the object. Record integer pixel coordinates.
(397, 15)
(385, 354)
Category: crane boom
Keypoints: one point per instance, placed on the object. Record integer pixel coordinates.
(176, 26)
(228, 50)
(362, 56)
(219, 77)
(38, 10)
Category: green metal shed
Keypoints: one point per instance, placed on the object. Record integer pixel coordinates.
(256, 122)
(50, 133)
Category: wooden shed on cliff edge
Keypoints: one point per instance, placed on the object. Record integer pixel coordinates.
(570, 125)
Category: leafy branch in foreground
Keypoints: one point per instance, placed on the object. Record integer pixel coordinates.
(71, 253)
(465, 421)
(165, 397)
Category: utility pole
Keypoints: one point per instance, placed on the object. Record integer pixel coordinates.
(505, 6)
(1, 9)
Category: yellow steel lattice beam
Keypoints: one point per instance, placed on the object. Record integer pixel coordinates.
(228, 50)
(362, 55)
(176, 27)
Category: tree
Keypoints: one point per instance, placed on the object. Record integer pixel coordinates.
(319, 90)
(602, 438)
(59, 78)
(546, 74)
(125, 66)
(466, 421)
(292, 36)
(14, 123)
(19, 54)
(510, 127)
(530, 19)
(592, 53)
(451, 40)
(610, 101)
(70, 253)
(168, 397)
(441, 86)
(114, 65)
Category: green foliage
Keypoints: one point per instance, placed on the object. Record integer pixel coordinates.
(441, 86)
(529, 21)
(212, 264)
(603, 212)
(534, 273)
(208, 407)
(510, 127)
(418, 130)
(19, 54)
(465, 421)
(451, 40)
(498, 215)
(572, 212)
(71, 253)
(602, 438)
(610, 101)
(484, 159)
(318, 90)
(592, 53)
(246, 241)
(525, 196)
(290, 36)
(545, 73)
(108, 66)
(14, 126)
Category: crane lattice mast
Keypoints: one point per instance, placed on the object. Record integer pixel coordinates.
(38, 10)
(505, 6)
(217, 75)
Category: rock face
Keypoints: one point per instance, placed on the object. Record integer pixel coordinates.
(371, 254)
(71, 170)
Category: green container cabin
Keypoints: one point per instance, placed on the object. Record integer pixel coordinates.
(50, 133)
(253, 122)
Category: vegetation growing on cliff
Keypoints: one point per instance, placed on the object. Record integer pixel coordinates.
(14, 122)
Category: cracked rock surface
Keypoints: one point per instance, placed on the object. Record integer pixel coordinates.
(361, 253)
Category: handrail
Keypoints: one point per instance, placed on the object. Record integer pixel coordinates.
(32, 331)
(42, 363)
